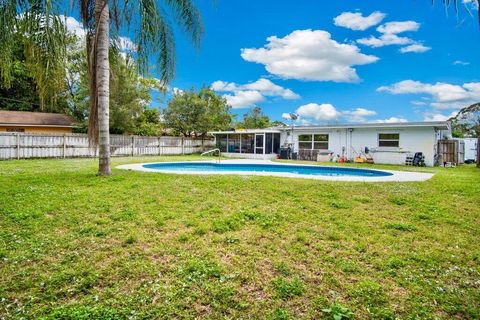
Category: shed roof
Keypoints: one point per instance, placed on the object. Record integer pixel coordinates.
(23, 118)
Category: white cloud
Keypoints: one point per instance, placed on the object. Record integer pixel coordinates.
(460, 62)
(358, 114)
(418, 103)
(262, 85)
(286, 116)
(176, 91)
(444, 95)
(389, 35)
(392, 120)
(126, 44)
(268, 88)
(396, 27)
(310, 55)
(385, 40)
(244, 99)
(320, 112)
(326, 112)
(438, 116)
(224, 86)
(356, 21)
(416, 48)
(74, 26)
(249, 94)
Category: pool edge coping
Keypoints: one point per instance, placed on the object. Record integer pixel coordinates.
(397, 176)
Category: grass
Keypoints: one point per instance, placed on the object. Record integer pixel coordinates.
(148, 246)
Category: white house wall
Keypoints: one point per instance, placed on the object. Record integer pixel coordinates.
(412, 139)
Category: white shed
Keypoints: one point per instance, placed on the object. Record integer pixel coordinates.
(470, 148)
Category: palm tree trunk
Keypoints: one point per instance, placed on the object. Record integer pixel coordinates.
(102, 81)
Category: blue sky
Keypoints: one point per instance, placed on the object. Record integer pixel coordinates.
(336, 61)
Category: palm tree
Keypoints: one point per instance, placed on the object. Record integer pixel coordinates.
(103, 20)
(455, 3)
(154, 36)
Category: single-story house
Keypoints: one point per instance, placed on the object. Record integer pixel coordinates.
(388, 143)
(35, 122)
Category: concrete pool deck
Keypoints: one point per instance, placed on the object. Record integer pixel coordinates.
(397, 176)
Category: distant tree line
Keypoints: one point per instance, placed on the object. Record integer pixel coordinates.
(188, 113)
(130, 94)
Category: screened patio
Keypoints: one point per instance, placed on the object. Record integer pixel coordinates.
(258, 142)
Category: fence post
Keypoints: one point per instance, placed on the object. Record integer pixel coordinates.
(64, 146)
(183, 146)
(159, 147)
(133, 145)
(18, 146)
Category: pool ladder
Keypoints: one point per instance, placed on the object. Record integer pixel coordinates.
(213, 151)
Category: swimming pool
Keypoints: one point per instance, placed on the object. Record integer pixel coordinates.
(190, 166)
(248, 167)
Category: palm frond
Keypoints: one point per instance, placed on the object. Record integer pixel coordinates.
(455, 3)
(8, 25)
(155, 36)
(189, 17)
(44, 34)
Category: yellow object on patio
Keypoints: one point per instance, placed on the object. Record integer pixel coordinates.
(359, 160)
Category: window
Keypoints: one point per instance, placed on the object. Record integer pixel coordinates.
(313, 141)
(320, 141)
(305, 141)
(389, 140)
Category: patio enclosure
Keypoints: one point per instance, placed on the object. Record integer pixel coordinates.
(250, 143)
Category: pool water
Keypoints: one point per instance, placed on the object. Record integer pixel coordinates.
(310, 170)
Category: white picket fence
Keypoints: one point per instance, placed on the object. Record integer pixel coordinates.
(30, 145)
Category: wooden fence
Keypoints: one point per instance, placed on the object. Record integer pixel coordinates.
(451, 151)
(30, 145)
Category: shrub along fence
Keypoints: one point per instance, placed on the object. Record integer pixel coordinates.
(30, 145)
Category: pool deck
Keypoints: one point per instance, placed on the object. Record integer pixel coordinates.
(397, 176)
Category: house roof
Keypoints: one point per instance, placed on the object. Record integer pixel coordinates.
(33, 119)
(268, 130)
(443, 125)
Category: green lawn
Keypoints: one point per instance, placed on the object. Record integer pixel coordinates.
(146, 245)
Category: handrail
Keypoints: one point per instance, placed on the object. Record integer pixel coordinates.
(212, 151)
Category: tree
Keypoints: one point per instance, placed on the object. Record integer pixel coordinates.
(191, 113)
(46, 33)
(469, 119)
(20, 93)
(129, 91)
(154, 37)
(148, 124)
(32, 56)
(254, 119)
